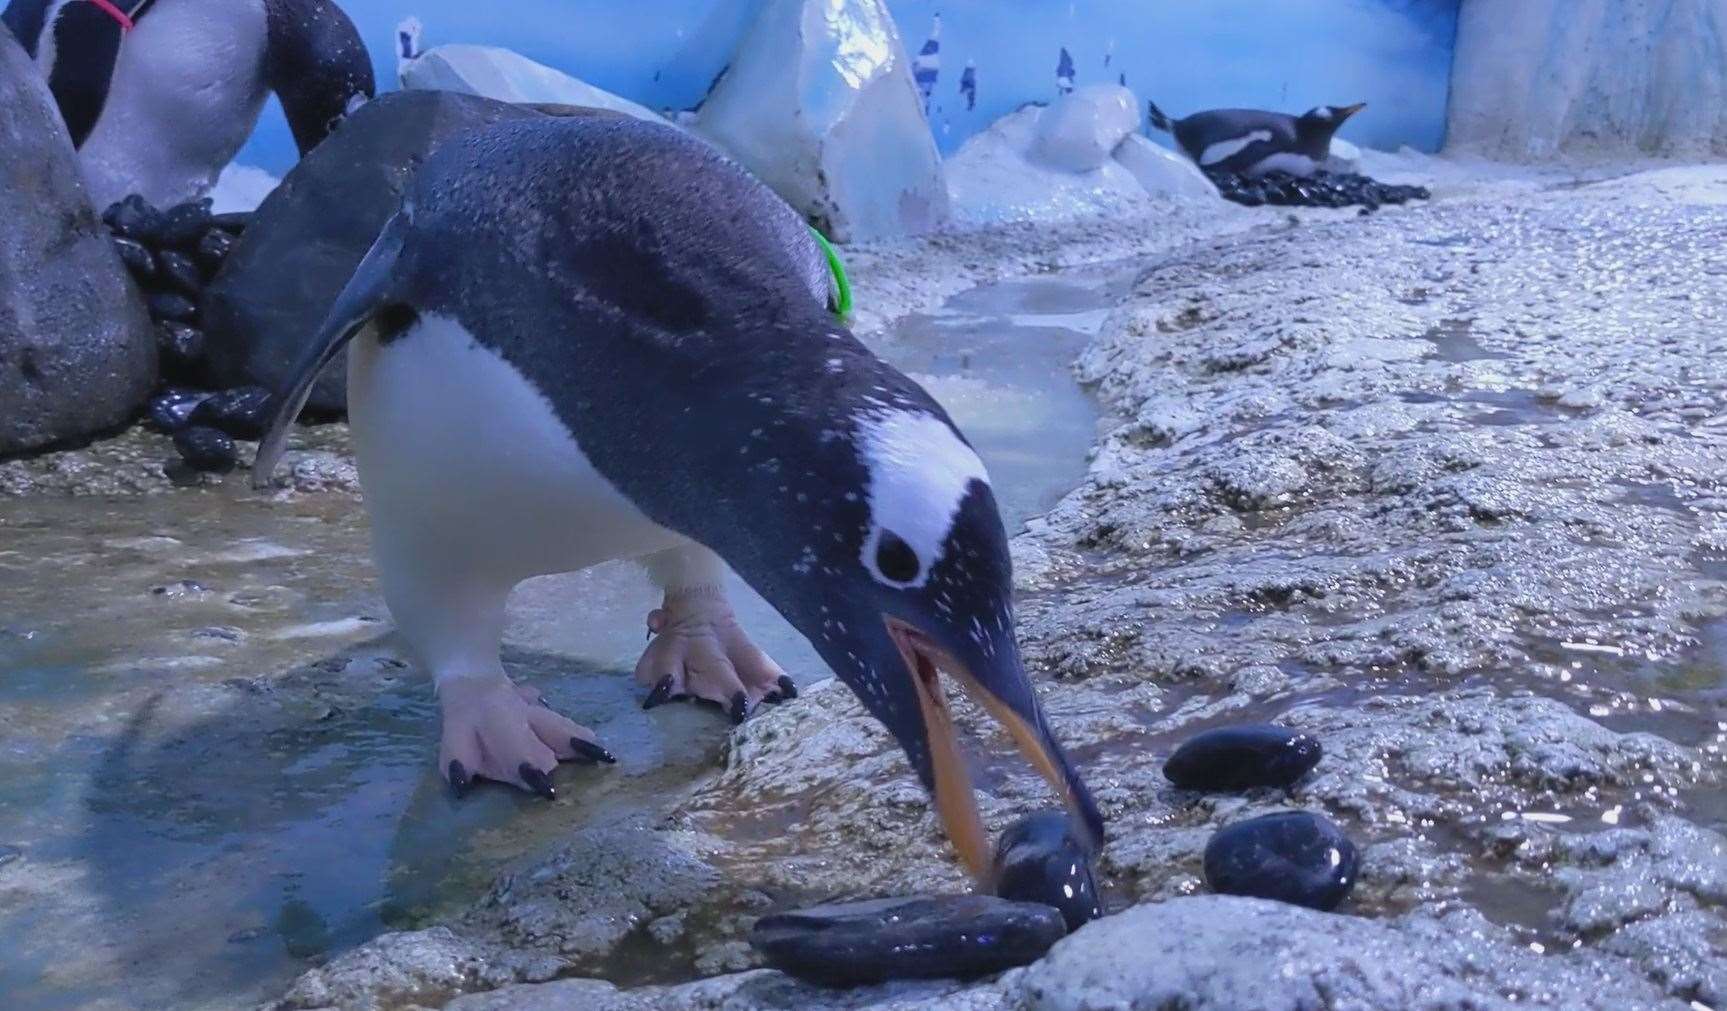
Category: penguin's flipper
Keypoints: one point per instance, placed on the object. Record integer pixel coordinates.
(369, 290)
(316, 64)
(1158, 120)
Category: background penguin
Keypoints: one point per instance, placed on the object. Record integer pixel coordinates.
(159, 95)
(1253, 142)
(589, 339)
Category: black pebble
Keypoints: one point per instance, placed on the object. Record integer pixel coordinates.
(213, 250)
(1038, 859)
(180, 272)
(243, 412)
(1293, 856)
(184, 225)
(181, 348)
(135, 219)
(136, 256)
(919, 937)
(171, 410)
(206, 449)
(1322, 189)
(1243, 757)
(172, 306)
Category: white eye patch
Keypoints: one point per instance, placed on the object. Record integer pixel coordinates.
(919, 473)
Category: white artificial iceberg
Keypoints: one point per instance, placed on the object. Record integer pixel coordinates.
(492, 72)
(1081, 130)
(1161, 172)
(1602, 78)
(819, 102)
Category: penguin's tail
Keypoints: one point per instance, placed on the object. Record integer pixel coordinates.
(1159, 121)
(369, 290)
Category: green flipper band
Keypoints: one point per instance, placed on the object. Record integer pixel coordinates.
(842, 286)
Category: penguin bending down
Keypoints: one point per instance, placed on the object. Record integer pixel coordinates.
(1253, 142)
(596, 338)
(159, 95)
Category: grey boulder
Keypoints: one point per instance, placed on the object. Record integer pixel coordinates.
(308, 236)
(77, 354)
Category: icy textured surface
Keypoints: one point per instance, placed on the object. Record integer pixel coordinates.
(1079, 130)
(1161, 172)
(493, 72)
(819, 102)
(1602, 78)
(994, 180)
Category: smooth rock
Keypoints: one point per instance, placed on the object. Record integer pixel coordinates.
(242, 413)
(305, 240)
(819, 102)
(1039, 859)
(507, 76)
(206, 449)
(181, 348)
(933, 937)
(1297, 857)
(1162, 172)
(139, 261)
(172, 409)
(135, 218)
(76, 352)
(183, 225)
(1243, 757)
(1081, 129)
(233, 222)
(168, 305)
(180, 271)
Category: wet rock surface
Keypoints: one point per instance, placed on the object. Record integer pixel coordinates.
(1243, 757)
(875, 940)
(1296, 857)
(76, 354)
(1039, 859)
(304, 241)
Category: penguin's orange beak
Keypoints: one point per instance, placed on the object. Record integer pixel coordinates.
(950, 783)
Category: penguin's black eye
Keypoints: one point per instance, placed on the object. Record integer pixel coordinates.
(895, 559)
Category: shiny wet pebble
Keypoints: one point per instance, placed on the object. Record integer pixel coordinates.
(134, 218)
(181, 272)
(181, 348)
(1293, 856)
(206, 449)
(1243, 757)
(242, 412)
(172, 306)
(1039, 859)
(137, 258)
(171, 410)
(1322, 189)
(213, 250)
(185, 224)
(916, 937)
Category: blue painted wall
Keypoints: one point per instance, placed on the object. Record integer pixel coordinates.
(1185, 54)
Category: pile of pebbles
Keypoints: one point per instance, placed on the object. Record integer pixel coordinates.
(172, 254)
(1044, 885)
(1322, 189)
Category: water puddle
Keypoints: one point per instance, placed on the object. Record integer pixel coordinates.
(215, 759)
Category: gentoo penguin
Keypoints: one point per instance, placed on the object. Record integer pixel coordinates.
(1253, 142)
(158, 95)
(589, 339)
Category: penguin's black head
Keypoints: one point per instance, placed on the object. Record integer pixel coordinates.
(1324, 120)
(919, 588)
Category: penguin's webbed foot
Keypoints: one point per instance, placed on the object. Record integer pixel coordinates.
(498, 730)
(700, 651)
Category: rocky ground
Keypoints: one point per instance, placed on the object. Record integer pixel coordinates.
(1444, 486)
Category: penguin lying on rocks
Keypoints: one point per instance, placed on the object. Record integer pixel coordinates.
(159, 95)
(590, 339)
(1253, 142)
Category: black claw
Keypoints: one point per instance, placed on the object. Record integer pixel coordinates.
(662, 693)
(739, 708)
(788, 688)
(591, 751)
(537, 781)
(459, 778)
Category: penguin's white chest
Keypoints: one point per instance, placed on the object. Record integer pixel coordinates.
(187, 89)
(461, 456)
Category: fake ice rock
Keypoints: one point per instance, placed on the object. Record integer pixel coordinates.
(1343, 157)
(1079, 132)
(1161, 172)
(993, 179)
(1594, 77)
(820, 104)
(492, 72)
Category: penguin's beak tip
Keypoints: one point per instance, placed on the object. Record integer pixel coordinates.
(1350, 110)
(950, 783)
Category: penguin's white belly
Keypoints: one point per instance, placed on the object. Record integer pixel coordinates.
(461, 458)
(1285, 161)
(186, 92)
